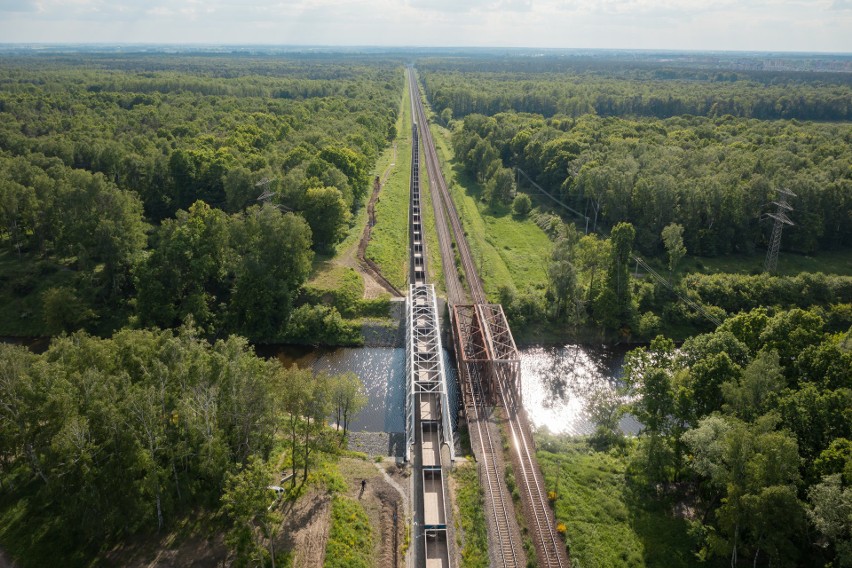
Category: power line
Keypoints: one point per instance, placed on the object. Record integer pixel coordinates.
(692, 304)
(562, 203)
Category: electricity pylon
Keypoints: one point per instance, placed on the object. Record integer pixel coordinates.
(781, 219)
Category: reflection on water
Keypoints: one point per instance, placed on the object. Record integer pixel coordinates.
(557, 382)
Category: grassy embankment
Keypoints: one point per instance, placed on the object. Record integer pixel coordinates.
(507, 250)
(389, 243)
(350, 538)
(471, 532)
(607, 518)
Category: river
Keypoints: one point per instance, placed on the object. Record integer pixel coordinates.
(556, 382)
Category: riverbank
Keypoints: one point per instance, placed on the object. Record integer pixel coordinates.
(605, 515)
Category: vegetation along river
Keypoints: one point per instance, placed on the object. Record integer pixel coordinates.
(558, 382)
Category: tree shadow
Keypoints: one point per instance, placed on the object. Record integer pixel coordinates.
(665, 537)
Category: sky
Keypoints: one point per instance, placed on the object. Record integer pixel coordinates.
(729, 25)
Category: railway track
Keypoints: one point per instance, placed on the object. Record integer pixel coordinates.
(493, 483)
(541, 522)
(549, 546)
(501, 510)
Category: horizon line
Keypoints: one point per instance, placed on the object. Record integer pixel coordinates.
(332, 47)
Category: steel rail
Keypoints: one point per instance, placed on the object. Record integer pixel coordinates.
(550, 543)
(493, 478)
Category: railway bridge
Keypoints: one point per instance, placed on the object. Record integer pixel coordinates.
(489, 376)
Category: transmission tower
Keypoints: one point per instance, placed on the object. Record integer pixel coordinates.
(267, 194)
(781, 219)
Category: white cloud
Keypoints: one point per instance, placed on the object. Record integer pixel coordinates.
(818, 25)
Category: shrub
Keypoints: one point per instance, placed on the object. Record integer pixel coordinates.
(649, 325)
(313, 325)
(63, 310)
(521, 206)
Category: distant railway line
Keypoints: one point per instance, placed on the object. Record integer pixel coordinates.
(446, 215)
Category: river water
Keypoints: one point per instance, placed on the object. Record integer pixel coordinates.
(556, 382)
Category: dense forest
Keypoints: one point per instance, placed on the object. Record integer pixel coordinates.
(101, 439)
(690, 157)
(656, 144)
(621, 87)
(716, 177)
(752, 423)
(119, 174)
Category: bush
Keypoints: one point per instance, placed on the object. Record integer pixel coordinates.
(315, 325)
(374, 307)
(63, 310)
(23, 285)
(736, 292)
(649, 325)
(522, 205)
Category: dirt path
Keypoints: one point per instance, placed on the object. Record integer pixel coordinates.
(369, 267)
(384, 506)
(402, 492)
(375, 285)
(305, 529)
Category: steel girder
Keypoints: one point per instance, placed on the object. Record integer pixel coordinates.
(485, 339)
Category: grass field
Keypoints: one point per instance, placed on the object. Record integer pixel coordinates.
(506, 249)
(607, 520)
(789, 264)
(350, 538)
(389, 241)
